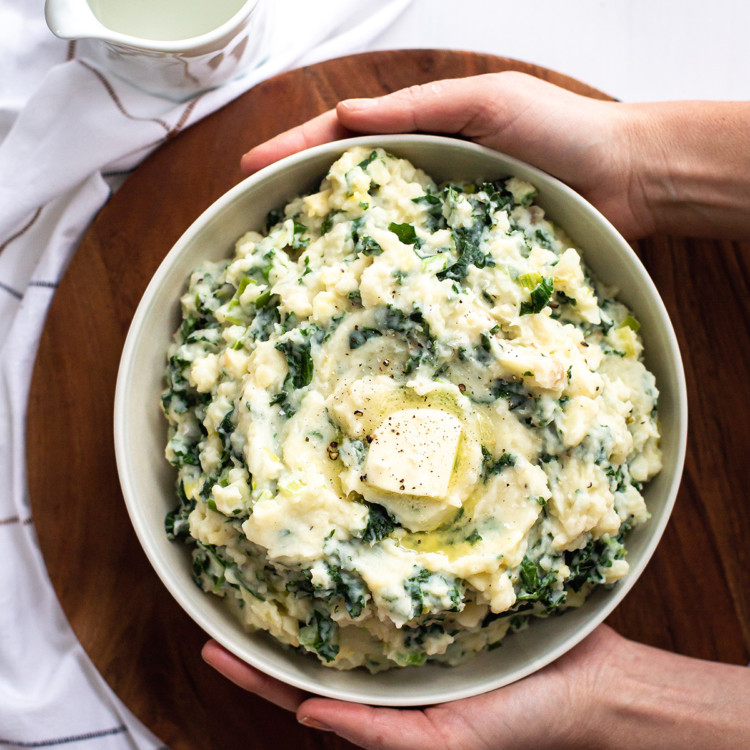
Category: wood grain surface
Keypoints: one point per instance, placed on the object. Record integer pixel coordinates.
(693, 598)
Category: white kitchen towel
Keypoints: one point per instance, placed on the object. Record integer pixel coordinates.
(67, 130)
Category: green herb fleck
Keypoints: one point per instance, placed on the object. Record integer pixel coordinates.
(474, 537)
(368, 160)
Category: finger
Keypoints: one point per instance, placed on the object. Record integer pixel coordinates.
(438, 107)
(513, 112)
(473, 107)
(251, 679)
(395, 729)
(320, 129)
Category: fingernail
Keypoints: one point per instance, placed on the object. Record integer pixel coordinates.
(356, 104)
(308, 721)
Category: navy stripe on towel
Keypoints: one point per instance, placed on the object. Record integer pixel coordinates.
(10, 290)
(66, 740)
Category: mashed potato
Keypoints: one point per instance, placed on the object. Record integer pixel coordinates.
(405, 419)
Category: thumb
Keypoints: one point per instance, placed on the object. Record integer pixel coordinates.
(370, 727)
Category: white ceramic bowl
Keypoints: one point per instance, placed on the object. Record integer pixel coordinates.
(148, 480)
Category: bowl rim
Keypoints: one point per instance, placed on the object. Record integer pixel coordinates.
(202, 616)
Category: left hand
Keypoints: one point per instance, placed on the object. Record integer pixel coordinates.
(504, 719)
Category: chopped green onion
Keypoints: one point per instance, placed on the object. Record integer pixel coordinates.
(630, 322)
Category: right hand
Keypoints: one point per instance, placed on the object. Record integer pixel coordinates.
(582, 141)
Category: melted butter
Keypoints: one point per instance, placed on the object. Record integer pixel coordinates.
(449, 542)
(449, 539)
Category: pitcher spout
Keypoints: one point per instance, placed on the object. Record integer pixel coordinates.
(73, 19)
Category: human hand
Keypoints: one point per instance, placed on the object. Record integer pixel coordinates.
(584, 142)
(674, 167)
(607, 692)
(551, 708)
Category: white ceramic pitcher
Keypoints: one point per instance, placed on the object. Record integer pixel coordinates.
(172, 48)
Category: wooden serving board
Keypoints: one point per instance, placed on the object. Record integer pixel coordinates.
(693, 598)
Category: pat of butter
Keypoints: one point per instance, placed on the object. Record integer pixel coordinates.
(413, 452)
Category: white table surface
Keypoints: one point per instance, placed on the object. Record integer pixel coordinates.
(634, 50)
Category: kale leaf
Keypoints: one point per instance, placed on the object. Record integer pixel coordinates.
(380, 523)
(176, 523)
(406, 233)
(512, 390)
(366, 245)
(434, 208)
(491, 197)
(319, 634)
(538, 586)
(469, 252)
(586, 564)
(540, 296)
(299, 360)
(492, 465)
(361, 336)
(349, 587)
